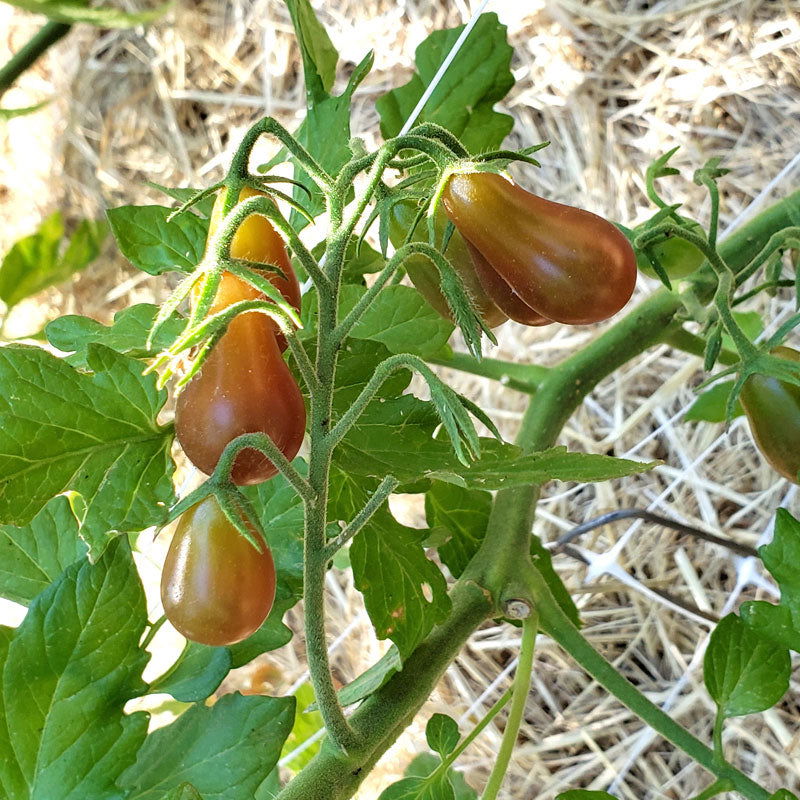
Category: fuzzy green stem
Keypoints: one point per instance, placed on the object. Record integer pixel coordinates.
(378, 498)
(522, 683)
(50, 33)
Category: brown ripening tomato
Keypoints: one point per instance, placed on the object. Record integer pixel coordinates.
(772, 408)
(423, 272)
(256, 240)
(565, 264)
(216, 588)
(244, 386)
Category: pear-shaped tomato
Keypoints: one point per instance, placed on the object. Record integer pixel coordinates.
(255, 240)
(244, 386)
(566, 264)
(216, 587)
(773, 411)
(424, 274)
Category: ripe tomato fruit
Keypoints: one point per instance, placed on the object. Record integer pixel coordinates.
(424, 274)
(773, 411)
(216, 587)
(244, 386)
(255, 240)
(567, 265)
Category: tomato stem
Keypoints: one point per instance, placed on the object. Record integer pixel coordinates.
(522, 682)
(50, 33)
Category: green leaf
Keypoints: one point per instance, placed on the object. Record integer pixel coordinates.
(711, 405)
(71, 667)
(40, 260)
(358, 360)
(183, 792)
(381, 444)
(225, 751)
(127, 334)
(780, 623)
(775, 623)
(405, 592)
(425, 763)
(402, 320)
(184, 194)
(744, 673)
(307, 722)
(419, 789)
(154, 245)
(281, 514)
(369, 681)
(34, 555)
(464, 514)
(463, 102)
(442, 734)
(584, 794)
(79, 11)
(196, 674)
(318, 53)
(783, 794)
(94, 434)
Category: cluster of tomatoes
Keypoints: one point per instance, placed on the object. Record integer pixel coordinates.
(525, 258)
(216, 587)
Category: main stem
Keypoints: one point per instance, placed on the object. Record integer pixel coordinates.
(495, 569)
(315, 558)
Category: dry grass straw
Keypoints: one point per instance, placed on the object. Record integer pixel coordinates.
(611, 85)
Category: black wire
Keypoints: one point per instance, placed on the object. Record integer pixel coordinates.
(647, 516)
(562, 544)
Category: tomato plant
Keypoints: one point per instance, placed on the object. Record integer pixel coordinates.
(772, 407)
(216, 587)
(86, 463)
(566, 264)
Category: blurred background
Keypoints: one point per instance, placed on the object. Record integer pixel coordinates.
(612, 84)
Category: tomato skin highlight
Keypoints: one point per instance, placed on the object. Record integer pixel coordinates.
(772, 408)
(244, 386)
(255, 240)
(566, 264)
(216, 588)
(424, 274)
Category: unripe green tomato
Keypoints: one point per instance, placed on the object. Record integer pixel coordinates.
(773, 411)
(678, 257)
(424, 274)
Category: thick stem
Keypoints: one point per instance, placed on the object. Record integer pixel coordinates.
(385, 714)
(44, 38)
